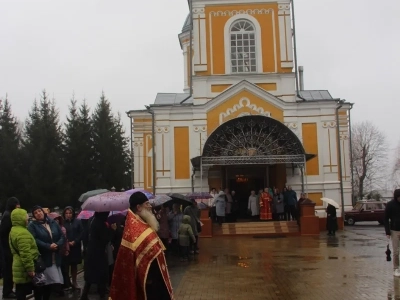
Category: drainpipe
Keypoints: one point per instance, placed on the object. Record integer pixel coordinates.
(340, 156)
(301, 78)
(351, 152)
(190, 53)
(295, 54)
(132, 158)
(153, 150)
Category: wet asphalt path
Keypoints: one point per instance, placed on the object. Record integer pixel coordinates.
(351, 265)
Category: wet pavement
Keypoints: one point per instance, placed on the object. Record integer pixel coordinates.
(351, 265)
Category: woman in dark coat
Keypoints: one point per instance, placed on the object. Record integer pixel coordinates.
(331, 220)
(96, 260)
(49, 240)
(74, 235)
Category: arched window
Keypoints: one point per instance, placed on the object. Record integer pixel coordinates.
(243, 47)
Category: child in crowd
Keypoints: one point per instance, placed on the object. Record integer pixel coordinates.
(185, 233)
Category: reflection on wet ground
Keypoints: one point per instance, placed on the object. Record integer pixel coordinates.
(351, 265)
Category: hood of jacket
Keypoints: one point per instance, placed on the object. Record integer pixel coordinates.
(186, 219)
(11, 204)
(19, 217)
(71, 209)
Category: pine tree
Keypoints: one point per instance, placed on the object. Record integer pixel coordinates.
(44, 154)
(10, 176)
(124, 157)
(110, 147)
(79, 154)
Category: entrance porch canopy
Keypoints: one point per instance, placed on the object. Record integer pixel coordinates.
(252, 139)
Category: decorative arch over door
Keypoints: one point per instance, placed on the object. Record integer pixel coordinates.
(253, 139)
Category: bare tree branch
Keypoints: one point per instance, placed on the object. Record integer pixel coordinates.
(369, 157)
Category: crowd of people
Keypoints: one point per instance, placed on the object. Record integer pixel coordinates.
(268, 204)
(42, 254)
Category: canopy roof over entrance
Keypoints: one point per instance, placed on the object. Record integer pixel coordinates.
(252, 140)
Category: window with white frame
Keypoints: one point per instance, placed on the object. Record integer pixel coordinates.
(243, 47)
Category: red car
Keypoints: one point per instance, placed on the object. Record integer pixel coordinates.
(366, 210)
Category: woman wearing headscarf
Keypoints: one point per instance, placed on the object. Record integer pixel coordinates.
(74, 235)
(96, 261)
(49, 240)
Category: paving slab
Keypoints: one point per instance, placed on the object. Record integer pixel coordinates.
(351, 265)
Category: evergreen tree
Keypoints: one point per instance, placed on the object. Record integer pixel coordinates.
(79, 154)
(10, 176)
(110, 147)
(43, 154)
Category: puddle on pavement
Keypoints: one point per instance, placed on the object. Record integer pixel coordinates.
(243, 265)
(363, 256)
(269, 237)
(305, 257)
(238, 257)
(359, 240)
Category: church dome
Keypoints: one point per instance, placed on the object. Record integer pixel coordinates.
(186, 25)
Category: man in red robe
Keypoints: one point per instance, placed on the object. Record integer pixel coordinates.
(265, 205)
(140, 271)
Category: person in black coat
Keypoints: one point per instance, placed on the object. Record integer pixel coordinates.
(74, 230)
(331, 220)
(5, 228)
(392, 228)
(96, 260)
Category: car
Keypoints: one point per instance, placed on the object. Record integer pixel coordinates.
(365, 210)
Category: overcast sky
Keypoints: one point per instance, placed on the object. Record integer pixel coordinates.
(130, 50)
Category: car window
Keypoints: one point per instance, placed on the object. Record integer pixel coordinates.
(358, 206)
(363, 207)
(370, 206)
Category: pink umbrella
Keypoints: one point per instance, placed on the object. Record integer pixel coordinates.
(107, 202)
(87, 214)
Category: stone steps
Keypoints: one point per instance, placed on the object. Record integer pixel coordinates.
(271, 228)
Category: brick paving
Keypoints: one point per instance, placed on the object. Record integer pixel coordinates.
(350, 266)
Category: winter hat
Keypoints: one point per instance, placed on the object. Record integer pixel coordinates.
(36, 207)
(12, 203)
(396, 194)
(137, 198)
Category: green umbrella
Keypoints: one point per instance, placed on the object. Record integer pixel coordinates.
(89, 194)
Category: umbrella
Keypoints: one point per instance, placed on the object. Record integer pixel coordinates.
(147, 194)
(160, 200)
(331, 202)
(87, 214)
(109, 201)
(199, 195)
(180, 199)
(88, 194)
(114, 217)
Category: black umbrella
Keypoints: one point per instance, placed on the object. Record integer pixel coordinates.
(179, 198)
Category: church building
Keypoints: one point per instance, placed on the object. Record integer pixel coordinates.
(243, 120)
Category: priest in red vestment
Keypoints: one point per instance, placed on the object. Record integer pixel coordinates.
(265, 205)
(140, 271)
